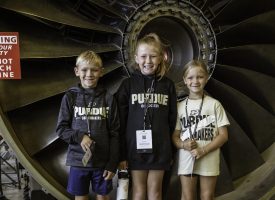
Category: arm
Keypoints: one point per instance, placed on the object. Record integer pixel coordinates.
(176, 139)
(113, 128)
(172, 116)
(64, 123)
(122, 97)
(172, 109)
(179, 144)
(217, 142)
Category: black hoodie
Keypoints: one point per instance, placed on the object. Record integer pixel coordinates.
(162, 113)
(101, 110)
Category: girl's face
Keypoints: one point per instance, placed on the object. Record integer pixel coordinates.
(89, 74)
(195, 80)
(148, 59)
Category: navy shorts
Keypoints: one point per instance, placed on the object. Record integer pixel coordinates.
(80, 179)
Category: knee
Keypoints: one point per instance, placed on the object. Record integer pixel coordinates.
(139, 193)
(100, 197)
(207, 195)
(189, 196)
(155, 192)
(155, 195)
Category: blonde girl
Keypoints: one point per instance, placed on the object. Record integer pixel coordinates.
(201, 130)
(147, 105)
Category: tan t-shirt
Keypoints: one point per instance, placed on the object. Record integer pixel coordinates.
(211, 117)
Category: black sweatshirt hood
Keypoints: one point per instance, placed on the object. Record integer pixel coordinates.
(95, 92)
(138, 73)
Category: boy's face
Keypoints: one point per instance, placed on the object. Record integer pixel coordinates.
(89, 74)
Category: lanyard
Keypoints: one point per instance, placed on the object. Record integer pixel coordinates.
(196, 124)
(87, 120)
(146, 102)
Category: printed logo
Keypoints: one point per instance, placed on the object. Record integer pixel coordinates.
(194, 112)
(205, 127)
(91, 112)
(149, 100)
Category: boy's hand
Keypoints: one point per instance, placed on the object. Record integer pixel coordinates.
(108, 175)
(86, 142)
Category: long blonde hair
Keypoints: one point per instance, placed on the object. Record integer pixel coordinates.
(154, 40)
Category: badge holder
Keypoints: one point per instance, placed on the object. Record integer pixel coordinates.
(144, 141)
(88, 154)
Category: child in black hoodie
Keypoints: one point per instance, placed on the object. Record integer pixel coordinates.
(147, 107)
(88, 121)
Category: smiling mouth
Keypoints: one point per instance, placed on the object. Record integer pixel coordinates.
(148, 67)
(90, 79)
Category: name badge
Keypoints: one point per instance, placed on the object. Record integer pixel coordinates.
(86, 157)
(144, 141)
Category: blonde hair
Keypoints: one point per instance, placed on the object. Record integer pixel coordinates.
(195, 63)
(154, 40)
(89, 57)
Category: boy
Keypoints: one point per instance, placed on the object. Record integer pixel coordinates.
(88, 121)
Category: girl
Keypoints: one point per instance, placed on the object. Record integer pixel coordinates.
(147, 105)
(200, 132)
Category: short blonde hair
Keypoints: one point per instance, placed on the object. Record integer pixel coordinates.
(154, 40)
(195, 63)
(89, 57)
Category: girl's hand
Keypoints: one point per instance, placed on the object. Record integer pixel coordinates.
(218, 141)
(123, 165)
(86, 143)
(189, 144)
(198, 152)
(108, 175)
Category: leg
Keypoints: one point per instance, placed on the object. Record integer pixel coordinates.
(139, 180)
(82, 197)
(166, 183)
(154, 184)
(101, 197)
(207, 187)
(188, 187)
(100, 186)
(78, 183)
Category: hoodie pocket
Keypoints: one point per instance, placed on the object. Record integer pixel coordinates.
(102, 146)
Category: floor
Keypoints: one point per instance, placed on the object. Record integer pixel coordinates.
(16, 186)
(12, 193)
(10, 189)
(12, 183)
